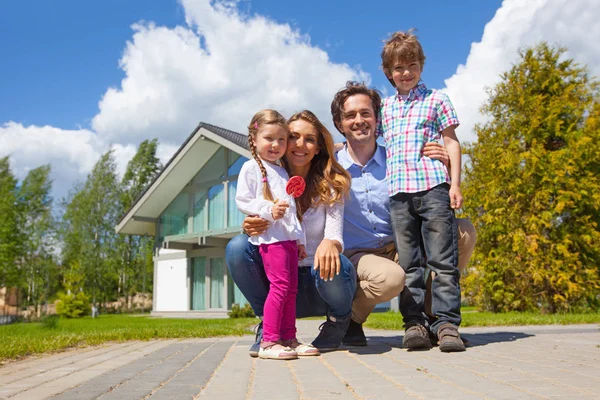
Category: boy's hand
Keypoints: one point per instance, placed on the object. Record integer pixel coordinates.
(279, 208)
(301, 252)
(456, 198)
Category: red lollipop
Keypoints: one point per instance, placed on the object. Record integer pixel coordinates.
(295, 186)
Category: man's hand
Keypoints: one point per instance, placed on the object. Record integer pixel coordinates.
(456, 198)
(327, 259)
(279, 208)
(253, 226)
(437, 152)
(301, 252)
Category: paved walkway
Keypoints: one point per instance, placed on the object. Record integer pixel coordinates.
(548, 362)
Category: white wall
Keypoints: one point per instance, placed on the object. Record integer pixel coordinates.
(171, 285)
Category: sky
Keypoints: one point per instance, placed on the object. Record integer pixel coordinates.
(79, 78)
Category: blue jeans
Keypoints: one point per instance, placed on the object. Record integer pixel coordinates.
(316, 297)
(424, 222)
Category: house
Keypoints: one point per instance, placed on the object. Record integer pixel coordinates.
(190, 210)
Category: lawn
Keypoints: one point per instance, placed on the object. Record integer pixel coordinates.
(472, 317)
(24, 339)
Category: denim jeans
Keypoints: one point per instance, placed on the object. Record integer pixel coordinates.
(316, 297)
(425, 222)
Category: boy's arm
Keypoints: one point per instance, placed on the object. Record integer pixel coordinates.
(453, 148)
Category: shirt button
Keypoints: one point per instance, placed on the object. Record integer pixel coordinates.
(370, 211)
(367, 191)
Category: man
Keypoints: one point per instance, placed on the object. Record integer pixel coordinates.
(368, 234)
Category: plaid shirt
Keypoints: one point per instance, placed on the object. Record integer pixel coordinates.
(406, 125)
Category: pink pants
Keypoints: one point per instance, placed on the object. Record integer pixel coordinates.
(281, 267)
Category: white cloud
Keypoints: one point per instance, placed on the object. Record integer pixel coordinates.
(518, 24)
(221, 68)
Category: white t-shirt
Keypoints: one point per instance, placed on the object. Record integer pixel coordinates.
(250, 201)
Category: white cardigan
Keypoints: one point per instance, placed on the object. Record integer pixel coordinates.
(250, 201)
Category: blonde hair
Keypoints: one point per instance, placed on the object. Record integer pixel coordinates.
(401, 46)
(261, 118)
(327, 181)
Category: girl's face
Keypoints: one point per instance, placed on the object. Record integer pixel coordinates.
(303, 143)
(271, 142)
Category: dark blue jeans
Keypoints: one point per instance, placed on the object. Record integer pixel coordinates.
(316, 297)
(425, 222)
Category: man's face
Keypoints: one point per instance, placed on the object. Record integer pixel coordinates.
(359, 121)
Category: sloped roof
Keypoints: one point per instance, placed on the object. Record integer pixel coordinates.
(141, 217)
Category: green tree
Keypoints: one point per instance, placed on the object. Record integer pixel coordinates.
(10, 236)
(38, 228)
(88, 229)
(135, 272)
(532, 188)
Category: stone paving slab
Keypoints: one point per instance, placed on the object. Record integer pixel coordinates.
(532, 362)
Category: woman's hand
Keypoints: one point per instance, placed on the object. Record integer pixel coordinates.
(437, 152)
(253, 226)
(327, 259)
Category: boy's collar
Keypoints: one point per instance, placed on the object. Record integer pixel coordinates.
(416, 92)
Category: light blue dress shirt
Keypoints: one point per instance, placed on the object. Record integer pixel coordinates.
(367, 222)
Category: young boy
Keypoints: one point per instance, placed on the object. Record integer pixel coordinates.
(422, 194)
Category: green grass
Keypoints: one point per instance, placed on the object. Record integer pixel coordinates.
(472, 317)
(24, 339)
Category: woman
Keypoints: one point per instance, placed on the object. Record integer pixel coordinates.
(326, 278)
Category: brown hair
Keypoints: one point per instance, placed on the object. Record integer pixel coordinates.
(264, 117)
(352, 88)
(327, 181)
(401, 46)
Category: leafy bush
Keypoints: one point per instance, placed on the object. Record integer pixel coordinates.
(50, 321)
(241, 312)
(73, 305)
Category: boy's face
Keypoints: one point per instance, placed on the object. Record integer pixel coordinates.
(405, 74)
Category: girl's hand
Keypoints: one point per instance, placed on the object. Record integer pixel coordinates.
(279, 208)
(253, 225)
(301, 252)
(327, 259)
(456, 198)
(437, 152)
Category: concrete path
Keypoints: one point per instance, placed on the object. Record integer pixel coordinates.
(547, 362)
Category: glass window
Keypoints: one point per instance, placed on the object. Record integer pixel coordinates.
(173, 221)
(235, 163)
(216, 207)
(198, 283)
(216, 283)
(235, 216)
(200, 211)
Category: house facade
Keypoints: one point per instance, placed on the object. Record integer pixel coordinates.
(190, 210)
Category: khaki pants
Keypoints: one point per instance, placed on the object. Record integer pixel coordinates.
(380, 278)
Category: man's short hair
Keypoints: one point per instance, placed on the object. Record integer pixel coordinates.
(352, 88)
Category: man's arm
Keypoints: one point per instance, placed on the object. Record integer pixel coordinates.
(453, 148)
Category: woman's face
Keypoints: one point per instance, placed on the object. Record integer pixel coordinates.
(303, 143)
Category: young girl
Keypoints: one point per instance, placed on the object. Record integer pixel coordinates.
(261, 191)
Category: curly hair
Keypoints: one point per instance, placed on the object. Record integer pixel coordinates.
(327, 181)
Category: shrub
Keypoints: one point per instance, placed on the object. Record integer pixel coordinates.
(50, 321)
(241, 312)
(73, 305)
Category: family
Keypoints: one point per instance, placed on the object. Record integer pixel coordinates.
(372, 223)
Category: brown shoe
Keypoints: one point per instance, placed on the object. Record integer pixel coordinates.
(450, 340)
(416, 336)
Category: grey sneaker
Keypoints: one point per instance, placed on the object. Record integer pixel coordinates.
(449, 338)
(416, 336)
(255, 348)
(332, 333)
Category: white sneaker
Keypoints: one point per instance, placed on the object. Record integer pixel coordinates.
(303, 350)
(277, 352)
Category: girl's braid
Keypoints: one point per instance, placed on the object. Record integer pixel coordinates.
(263, 171)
